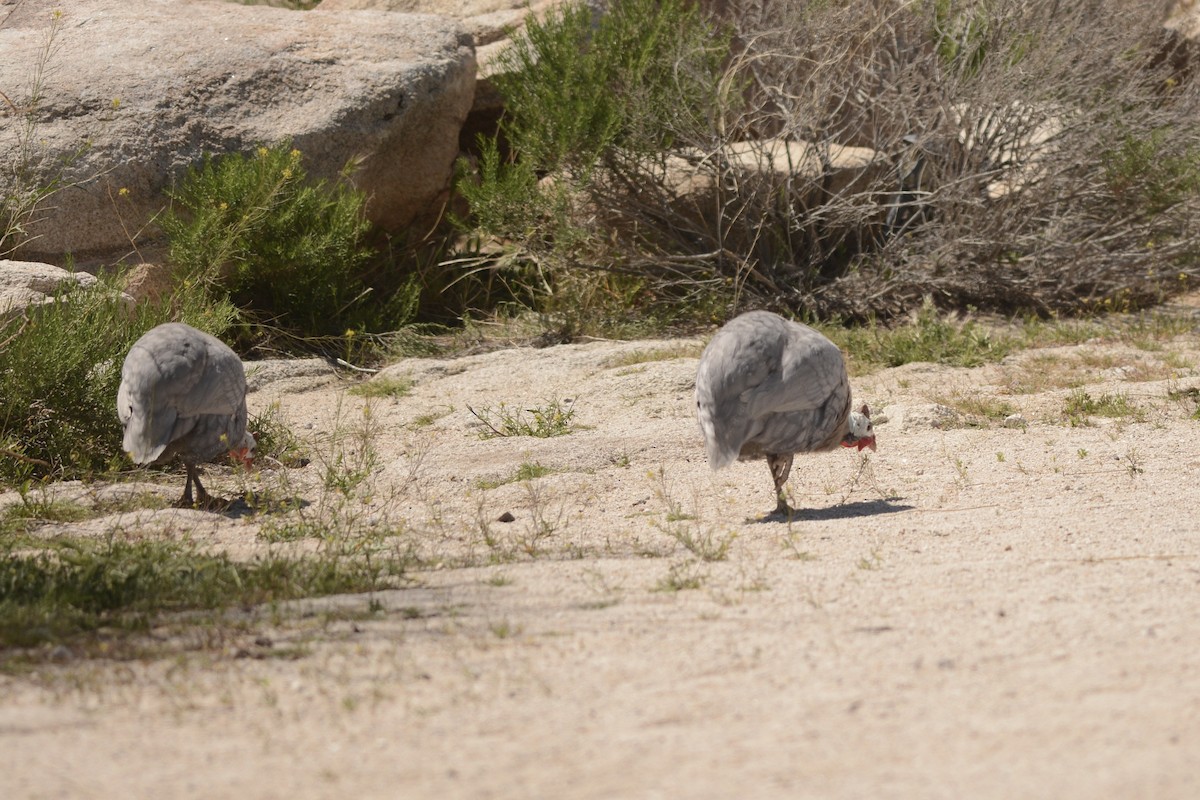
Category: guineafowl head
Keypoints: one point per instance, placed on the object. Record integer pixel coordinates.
(862, 432)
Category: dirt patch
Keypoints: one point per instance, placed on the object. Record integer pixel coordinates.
(980, 609)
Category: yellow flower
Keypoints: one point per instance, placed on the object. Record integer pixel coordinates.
(116, 102)
(262, 152)
(123, 192)
(349, 333)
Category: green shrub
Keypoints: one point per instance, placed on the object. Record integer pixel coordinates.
(60, 366)
(587, 86)
(591, 99)
(289, 252)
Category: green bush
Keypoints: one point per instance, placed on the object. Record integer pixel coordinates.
(60, 367)
(591, 99)
(289, 252)
(585, 86)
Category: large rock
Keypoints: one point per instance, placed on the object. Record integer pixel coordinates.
(142, 90)
(29, 283)
(491, 25)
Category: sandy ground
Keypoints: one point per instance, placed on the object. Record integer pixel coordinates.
(973, 611)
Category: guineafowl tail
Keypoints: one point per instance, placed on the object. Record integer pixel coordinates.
(722, 451)
(147, 433)
(142, 442)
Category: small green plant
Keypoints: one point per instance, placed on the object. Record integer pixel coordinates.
(393, 387)
(705, 544)
(528, 471)
(36, 508)
(641, 356)
(871, 562)
(791, 545)
(425, 420)
(274, 439)
(552, 419)
(1080, 405)
(544, 522)
(1133, 463)
(1190, 396)
(682, 576)
(505, 629)
(978, 406)
(350, 456)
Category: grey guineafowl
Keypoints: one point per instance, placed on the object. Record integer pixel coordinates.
(183, 393)
(770, 388)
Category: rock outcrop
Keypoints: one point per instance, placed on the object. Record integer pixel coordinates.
(29, 283)
(134, 93)
(491, 25)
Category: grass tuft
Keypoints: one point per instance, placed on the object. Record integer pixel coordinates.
(1080, 405)
(393, 387)
(552, 419)
(78, 587)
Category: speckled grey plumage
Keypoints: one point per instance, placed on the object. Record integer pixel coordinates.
(183, 393)
(769, 386)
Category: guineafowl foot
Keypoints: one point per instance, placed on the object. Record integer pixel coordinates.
(202, 501)
(780, 465)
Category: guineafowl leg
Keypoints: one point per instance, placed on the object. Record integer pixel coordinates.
(186, 501)
(202, 498)
(781, 466)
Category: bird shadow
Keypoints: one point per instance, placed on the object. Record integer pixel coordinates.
(253, 505)
(859, 508)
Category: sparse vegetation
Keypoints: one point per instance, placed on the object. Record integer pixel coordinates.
(682, 576)
(634, 357)
(275, 439)
(978, 406)
(577, 213)
(76, 588)
(527, 471)
(29, 177)
(394, 387)
(1080, 405)
(1189, 396)
(552, 419)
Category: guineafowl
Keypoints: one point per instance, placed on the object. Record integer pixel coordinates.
(183, 393)
(770, 388)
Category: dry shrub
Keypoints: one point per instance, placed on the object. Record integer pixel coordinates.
(1015, 155)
